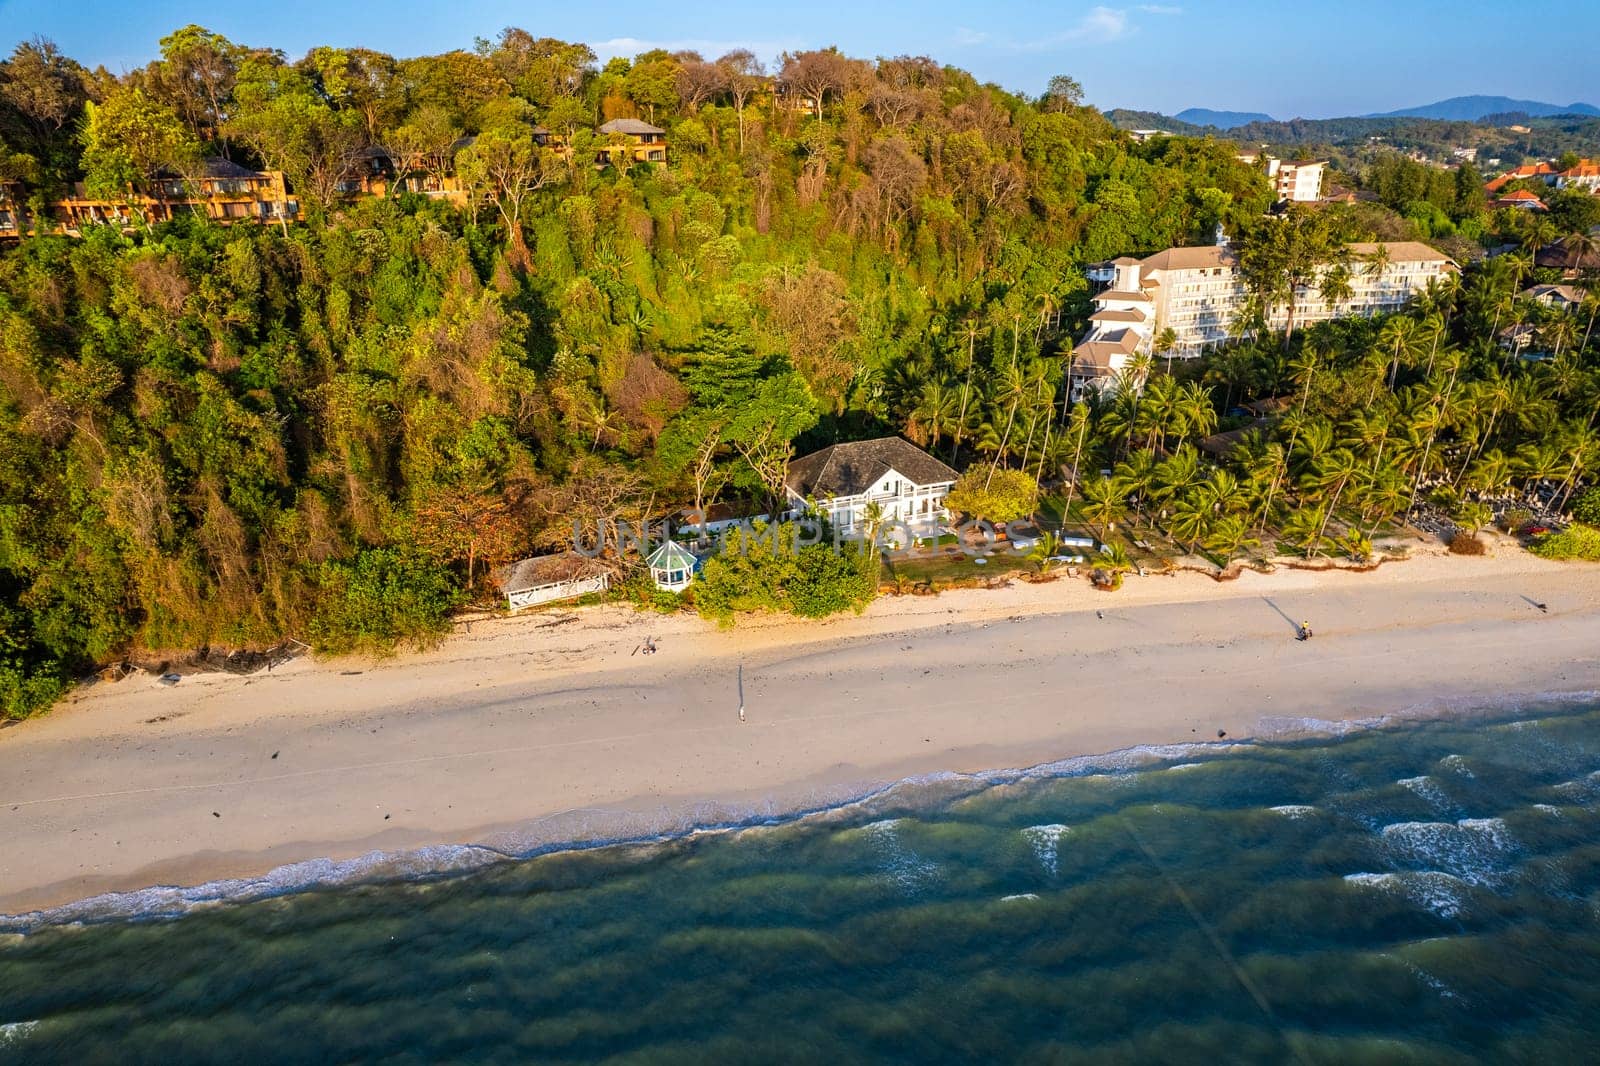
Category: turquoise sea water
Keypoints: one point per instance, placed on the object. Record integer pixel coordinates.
(1425, 893)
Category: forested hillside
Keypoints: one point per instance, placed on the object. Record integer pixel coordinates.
(217, 435)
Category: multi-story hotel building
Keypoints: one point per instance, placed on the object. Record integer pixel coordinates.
(1199, 294)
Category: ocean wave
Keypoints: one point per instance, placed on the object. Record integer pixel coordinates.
(1457, 765)
(1581, 789)
(1019, 897)
(1428, 790)
(1284, 727)
(1441, 894)
(12, 1033)
(1476, 850)
(1295, 811)
(1046, 842)
(910, 871)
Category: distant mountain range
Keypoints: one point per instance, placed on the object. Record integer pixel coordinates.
(1473, 108)
(1222, 120)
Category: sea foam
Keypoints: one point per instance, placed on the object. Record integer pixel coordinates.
(1046, 841)
(899, 863)
(1438, 893)
(1475, 850)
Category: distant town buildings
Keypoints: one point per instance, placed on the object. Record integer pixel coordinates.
(1585, 175)
(1199, 295)
(1522, 198)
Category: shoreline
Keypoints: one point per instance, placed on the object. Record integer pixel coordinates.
(494, 846)
(538, 722)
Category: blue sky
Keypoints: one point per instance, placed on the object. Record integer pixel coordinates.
(1314, 59)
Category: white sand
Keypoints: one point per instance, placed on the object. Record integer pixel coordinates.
(136, 784)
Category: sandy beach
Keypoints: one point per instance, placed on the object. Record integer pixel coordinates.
(550, 726)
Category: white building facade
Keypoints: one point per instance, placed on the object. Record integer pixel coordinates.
(844, 481)
(1200, 295)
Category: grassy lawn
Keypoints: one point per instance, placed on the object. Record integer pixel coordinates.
(951, 569)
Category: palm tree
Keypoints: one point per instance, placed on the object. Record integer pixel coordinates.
(1540, 461)
(1591, 305)
(1338, 468)
(1176, 473)
(1490, 473)
(1137, 474)
(1397, 335)
(1012, 386)
(970, 334)
(1104, 501)
(1223, 494)
(1044, 550)
(1192, 407)
(1081, 417)
(1581, 442)
(1114, 560)
(1230, 534)
(1164, 343)
(1190, 521)
(1304, 529)
(936, 410)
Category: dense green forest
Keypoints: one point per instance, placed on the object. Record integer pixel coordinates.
(228, 436)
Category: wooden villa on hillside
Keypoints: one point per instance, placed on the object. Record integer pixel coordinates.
(223, 191)
(633, 142)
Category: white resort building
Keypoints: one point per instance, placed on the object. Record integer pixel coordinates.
(1199, 294)
(906, 483)
(1295, 181)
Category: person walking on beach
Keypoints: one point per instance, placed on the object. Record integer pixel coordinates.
(1305, 630)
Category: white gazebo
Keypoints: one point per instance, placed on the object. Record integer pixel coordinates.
(672, 566)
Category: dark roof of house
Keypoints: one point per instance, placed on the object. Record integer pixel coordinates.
(631, 126)
(1561, 254)
(218, 167)
(528, 574)
(214, 166)
(849, 469)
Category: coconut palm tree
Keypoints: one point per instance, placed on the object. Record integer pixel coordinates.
(1229, 536)
(1175, 474)
(1104, 501)
(1397, 337)
(1192, 408)
(1137, 475)
(1190, 521)
(1337, 469)
(1303, 529)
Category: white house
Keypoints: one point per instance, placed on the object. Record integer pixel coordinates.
(843, 480)
(547, 578)
(1561, 297)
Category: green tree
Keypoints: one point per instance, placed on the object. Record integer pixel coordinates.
(380, 598)
(129, 140)
(1006, 497)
